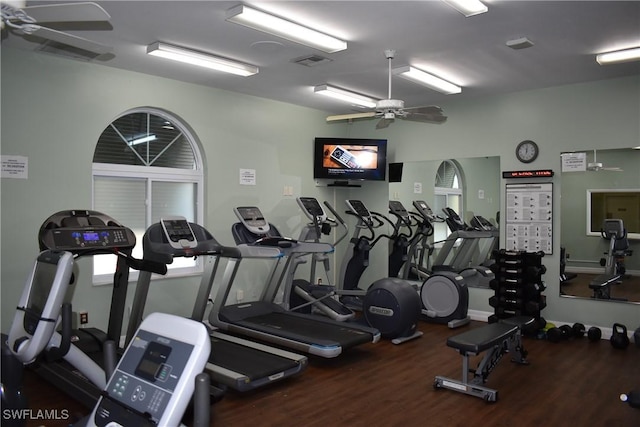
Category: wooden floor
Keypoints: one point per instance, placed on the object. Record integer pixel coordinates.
(628, 288)
(574, 383)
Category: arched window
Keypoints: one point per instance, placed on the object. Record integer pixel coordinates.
(146, 165)
(447, 194)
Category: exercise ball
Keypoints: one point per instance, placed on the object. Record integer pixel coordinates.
(392, 306)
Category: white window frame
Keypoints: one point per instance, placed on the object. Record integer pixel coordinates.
(151, 174)
(450, 192)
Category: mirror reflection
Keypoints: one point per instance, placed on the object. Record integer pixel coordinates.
(455, 206)
(600, 225)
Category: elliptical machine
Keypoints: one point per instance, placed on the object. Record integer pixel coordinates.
(389, 305)
(443, 291)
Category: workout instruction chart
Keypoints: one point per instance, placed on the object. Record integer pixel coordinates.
(529, 219)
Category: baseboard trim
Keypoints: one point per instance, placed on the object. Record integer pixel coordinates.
(483, 316)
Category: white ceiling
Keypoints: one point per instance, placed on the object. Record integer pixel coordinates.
(427, 34)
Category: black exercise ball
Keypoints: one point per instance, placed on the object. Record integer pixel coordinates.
(392, 306)
(594, 333)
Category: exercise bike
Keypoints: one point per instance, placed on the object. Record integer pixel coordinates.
(614, 231)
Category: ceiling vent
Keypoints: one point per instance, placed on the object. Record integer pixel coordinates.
(311, 60)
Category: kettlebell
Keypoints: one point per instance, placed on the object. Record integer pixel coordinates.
(619, 338)
(636, 337)
(594, 334)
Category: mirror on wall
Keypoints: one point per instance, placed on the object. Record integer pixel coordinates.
(601, 198)
(469, 186)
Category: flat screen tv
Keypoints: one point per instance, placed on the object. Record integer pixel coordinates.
(350, 159)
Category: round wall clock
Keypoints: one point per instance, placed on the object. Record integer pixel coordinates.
(527, 151)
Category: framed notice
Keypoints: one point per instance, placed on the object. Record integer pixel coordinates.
(529, 217)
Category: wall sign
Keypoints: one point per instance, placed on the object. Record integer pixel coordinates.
(540, 173)
(529, 219)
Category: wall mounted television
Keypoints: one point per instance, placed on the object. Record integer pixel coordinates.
(350, 159)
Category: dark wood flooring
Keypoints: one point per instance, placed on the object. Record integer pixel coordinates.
(628, 288)
(573, 383)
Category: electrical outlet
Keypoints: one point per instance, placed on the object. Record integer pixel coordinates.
(239, 295)
(84, 317)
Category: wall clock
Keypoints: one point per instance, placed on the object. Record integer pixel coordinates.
(527, 151)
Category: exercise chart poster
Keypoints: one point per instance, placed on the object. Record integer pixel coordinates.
(529, 219)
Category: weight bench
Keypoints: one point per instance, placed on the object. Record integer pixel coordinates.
(601, 285)
(498, 339)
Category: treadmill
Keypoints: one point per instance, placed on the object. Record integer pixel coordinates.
(72, 360)
(233, 362)
(264, 319)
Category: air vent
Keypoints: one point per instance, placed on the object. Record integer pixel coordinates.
(65, 50)
(311, 60)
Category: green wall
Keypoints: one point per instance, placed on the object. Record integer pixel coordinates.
(54, 109)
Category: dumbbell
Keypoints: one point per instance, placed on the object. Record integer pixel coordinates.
(578, 330)
(594, 334)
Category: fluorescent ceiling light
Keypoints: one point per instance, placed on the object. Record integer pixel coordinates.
(206, 60)
(429, 80)
(468, 7)
(276, 26)
(142, 140)
(625, 55)
(345, 95)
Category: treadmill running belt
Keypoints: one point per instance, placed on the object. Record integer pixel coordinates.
(312, 331)
(253, 363)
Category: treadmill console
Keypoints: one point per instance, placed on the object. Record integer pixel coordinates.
(312, 209)
(178, 232)
(397, 208)
(82, 231)
(154, 381)
(252, 218)
(78, 239)
(358, 208)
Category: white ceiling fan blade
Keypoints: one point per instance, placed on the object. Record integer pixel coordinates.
(71, 40)
(383, 123)
(67, 12)
(426, 118)
(431, 109)
(352, 116)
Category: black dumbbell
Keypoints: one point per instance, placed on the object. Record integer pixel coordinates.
(594, 334)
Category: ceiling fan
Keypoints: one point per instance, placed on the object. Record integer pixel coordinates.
(390, 109)
(596, 166)
(33, 20)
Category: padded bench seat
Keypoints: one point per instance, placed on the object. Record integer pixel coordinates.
(480, 339)
(604, 280)
(496, 339)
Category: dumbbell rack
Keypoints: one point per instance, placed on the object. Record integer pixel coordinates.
(517, 284)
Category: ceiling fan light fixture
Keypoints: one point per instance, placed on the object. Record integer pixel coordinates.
(345, 95)
(422, 77)
(201, 59)
(274, 25)
(468, 7)
(617, 56)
